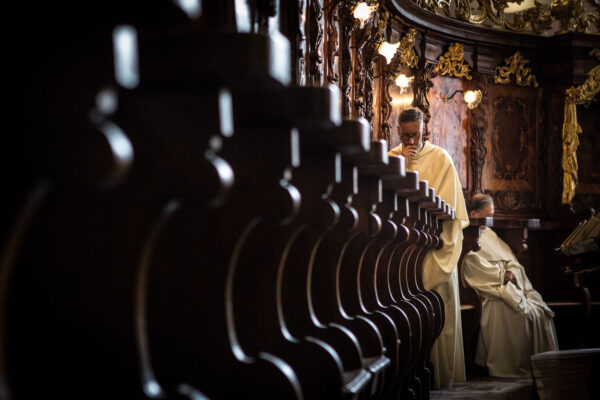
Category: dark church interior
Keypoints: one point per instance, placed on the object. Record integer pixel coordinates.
(201, 202)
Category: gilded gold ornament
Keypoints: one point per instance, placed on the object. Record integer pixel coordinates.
(515, 65)
(576, 95)
(452, 63)
(408, 56)
(572, 15)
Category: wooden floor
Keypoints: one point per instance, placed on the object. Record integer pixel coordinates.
(484, 387)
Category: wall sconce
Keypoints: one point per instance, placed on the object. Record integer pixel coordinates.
(403, 82)
(362, 12)
(471, 97)
(388, 50)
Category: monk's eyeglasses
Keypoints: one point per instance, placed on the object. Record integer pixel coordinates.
(406, 137)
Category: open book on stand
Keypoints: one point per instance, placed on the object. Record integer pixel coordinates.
(584, 238)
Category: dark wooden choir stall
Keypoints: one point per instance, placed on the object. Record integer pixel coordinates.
(197, 227)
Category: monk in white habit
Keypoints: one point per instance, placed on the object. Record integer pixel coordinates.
(435, 165)
(515, 321)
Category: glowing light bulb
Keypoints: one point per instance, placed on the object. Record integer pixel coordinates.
(388, 50)
(363, 12)
(403, 81)
(470, 96)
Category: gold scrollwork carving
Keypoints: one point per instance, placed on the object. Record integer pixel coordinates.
(408, 56)
(515, 65)
(452, 63)
(576, 95)
(571, 15)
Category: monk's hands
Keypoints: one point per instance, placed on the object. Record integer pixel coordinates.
(510, 277)
(409, 151)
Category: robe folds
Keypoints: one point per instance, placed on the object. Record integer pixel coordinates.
(435, 165)
(515, 321)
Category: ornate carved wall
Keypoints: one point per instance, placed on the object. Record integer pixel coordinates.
(509, 170)
(510, 145)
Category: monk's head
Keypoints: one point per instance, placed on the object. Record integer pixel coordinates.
(410, 128)
(481, 206)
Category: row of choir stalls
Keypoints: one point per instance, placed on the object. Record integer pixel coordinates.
(187, 219)
(201, 204)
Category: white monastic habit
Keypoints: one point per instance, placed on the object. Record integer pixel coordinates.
(515, 321)
(435, 165)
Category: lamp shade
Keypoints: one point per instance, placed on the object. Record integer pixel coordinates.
(388, 50)
(363, 12)
(472, 98)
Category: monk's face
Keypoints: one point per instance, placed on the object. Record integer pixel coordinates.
(487, 211)
(411, 134)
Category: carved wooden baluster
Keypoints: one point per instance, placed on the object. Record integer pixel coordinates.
(429, 227)
(192, 270)
(347, 22)
(315, 111)
(438, 212)
(376, 263)
(389, 263)
(387, 82)
(391, 293)
(430, 208)
(282, 241)
(425, 200)
(401, 259)
(326, 271)
(318, 214)
(354, 265)
(315, 53)
(359, 73)
(388, 284)
(369, 55)
(173, 117)
(362, 252)
(193, 236)
(332, 16)
(445, 213)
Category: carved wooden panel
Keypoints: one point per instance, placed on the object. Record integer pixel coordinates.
(315, 54)
(332, 42)
(359, 73)
(448, 125)
(509, 172)
(479, 126)
(588, 189)
(509, 138)
(347, 24)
